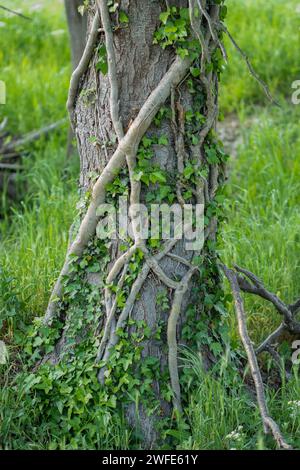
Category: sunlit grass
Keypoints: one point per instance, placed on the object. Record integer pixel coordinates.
(223, 414)
(268, 32)
(34, 237)
(34, 64)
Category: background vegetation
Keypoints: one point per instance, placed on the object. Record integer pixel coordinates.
(261, 232)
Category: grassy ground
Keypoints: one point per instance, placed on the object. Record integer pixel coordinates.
(262, 232)
(35, 64)
(268, 32)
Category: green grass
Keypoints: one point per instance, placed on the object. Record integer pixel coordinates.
(223, 416)
(262, 232)
(34, 64)
(34, 237)
(268, 32)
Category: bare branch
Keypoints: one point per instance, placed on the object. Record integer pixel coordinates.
(271, 339)
(268, 423)
(250, 67)
(15, 13)
(31, 136)
(258, 288)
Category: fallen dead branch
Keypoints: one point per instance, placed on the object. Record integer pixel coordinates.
(30, 137)
(12, 151)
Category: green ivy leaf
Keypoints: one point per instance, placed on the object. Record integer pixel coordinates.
(195, 71)
(163, 140)
(182, 52)
(164, 16)
(123, 17)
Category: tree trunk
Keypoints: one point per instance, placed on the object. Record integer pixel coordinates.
(139, 302)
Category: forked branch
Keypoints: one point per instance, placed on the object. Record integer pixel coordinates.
(269, 424)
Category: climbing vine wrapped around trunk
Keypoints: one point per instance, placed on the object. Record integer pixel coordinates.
(143, 103)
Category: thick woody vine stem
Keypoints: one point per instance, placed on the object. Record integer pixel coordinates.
(211, 101)
(17, 13)
(112, 68)
(213, 33)
(110, 316)
(268, 423)
(172, 336)
(178, 128)
(126, 153)
(82, 66)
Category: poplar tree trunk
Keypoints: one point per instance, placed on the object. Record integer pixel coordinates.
(140, 66)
